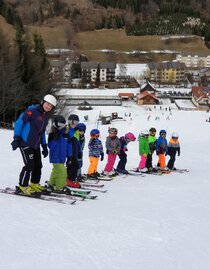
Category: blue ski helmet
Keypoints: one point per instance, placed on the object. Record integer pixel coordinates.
(94, 132)
(162, 132)
(81, 127)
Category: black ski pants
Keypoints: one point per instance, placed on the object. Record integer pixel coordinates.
(33, 165)
(122, 162)
(72, 166)
(149, 161)
(171, 161)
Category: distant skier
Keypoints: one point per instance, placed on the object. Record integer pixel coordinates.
(173, 148)
(95, 153)
(29, 134)
(124, 140)
(112, 149)
(162, 149)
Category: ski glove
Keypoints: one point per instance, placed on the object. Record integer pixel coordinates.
(145, 155)
(44, 150)
(102, 156)
(79, 156)
(16, 142)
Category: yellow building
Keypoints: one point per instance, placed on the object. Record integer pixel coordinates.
(166, 72)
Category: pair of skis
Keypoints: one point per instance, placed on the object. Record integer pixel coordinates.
(61, 198)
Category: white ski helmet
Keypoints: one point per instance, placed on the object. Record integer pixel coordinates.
(144, 132)
(50, 99)
(175, 135)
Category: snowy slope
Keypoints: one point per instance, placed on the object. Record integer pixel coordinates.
(149, 223)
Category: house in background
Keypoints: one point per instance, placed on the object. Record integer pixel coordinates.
(146, 98)
(125, 96)
(148, 87)
(194, 60)
(201, 96)
(166, 72)
(106, 71)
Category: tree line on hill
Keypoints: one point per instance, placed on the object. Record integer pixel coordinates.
(23, 69)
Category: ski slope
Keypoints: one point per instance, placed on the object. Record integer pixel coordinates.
(155, 222)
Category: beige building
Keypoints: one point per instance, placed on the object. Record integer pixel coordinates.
(194, 60)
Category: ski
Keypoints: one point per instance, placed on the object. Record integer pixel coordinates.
(134, 173)
(82, 193)
(86, 196)
(11, 191)
(94, 189)
(180, 170)
(91, 185)
(100, 178)
(78, 191)
(63, 195)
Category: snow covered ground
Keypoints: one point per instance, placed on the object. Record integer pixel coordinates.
(155, 222)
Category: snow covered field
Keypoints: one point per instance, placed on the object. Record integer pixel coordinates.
(155, 222)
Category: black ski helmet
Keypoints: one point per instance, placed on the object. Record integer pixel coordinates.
(59, 121)
(73, 119)
(153, 130)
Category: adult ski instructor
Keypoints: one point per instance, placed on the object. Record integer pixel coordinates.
(29, 134)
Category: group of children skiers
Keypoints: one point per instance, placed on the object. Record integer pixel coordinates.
(66, 144)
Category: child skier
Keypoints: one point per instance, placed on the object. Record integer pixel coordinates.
(95, 152)
(81, 127)
(162, 149)
(57, 143)
(173, 148)
(74, 152)
(143, 150)
(152, 146)
(124, 140)
(113, 146)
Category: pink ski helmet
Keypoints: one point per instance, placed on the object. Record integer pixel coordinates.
(130, 136)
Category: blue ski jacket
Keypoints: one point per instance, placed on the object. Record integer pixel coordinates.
(31, 126)
(161, 145)
(95, 147)
(74, 146)
(58, 147)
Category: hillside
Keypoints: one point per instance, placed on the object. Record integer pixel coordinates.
(106, 45)
(100, 31)
(151, 222)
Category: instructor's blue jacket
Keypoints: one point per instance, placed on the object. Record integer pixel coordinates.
(31, 126)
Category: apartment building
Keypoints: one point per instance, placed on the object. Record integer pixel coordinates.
(194, 60)
(106, 71)
(166, 72)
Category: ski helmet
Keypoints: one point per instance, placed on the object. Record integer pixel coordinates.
(81, 127)
(50, 99)
(144, 132)
(152, 130)
(113, 131)
(59, 121)
(162, 131)
(130, 136)
(73, 119)
(175, 135)
(94, 132)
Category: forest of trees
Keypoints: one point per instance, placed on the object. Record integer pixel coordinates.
(23, 69)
